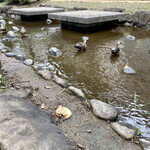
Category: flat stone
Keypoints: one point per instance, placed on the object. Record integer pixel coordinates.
(10, 54)
(24, 126)
(145, 143)
(125, 130)
(35, 11)
(87, 16)
(103, 110)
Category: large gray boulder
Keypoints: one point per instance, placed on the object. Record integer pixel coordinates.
(23, 126)
(141, 18)
(103, 110)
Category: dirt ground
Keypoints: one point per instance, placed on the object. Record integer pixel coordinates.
(83, 130)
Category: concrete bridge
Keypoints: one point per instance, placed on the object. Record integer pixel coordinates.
(87, 20)
(36, 13)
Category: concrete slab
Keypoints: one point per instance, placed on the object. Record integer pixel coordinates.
(87, 16)
(35, 13)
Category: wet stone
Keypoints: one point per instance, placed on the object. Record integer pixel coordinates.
(11, 34)
(129, 70)
(60, 81)
(103, 110)
(28, 62)
(19, 57)
(53, 51)
(76, 91)
(125, 130)
(10, 54)
(145, 143)
(130, 37)
(46, 74)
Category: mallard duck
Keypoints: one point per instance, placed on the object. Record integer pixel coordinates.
(23, 30)
(82, 45)
(115, 50)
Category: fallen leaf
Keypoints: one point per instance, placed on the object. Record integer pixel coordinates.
(43, 106)
(47, 87)
(63, 111)
(80, 146)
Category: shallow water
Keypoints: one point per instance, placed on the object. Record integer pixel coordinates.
(94, 71)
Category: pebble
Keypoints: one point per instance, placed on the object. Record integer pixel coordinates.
(28, 62)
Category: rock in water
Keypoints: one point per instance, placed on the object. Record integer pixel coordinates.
(60, 81)
(130, 37)
(103, 110)
(128, 70)
(76, 91)
(125, 130)
(145, 143)
(19, 57)
(55, 52)
(10, 54)
(46, 74)
(27, 127)
(15, 29)
(28, 62)
(11, 34)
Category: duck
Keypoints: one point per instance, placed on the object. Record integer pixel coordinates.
(23, 30)
(115, 50)
(82, 45)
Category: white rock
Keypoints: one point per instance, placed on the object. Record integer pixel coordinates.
(2, 21)
(15, 29)
(103, 110)
(28, 62)
(11, 34)
(76, 91)
(10, 22)
(130, 37)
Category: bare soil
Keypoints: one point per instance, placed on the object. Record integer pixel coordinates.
(83, 130)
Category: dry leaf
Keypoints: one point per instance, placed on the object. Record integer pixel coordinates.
(80, 146)
(43, 106)
(63, 111)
